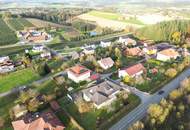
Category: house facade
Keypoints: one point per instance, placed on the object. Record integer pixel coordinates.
(127, 41)
(105, 44)
(167, 54)
(78, 73)
(136, 51)
(106, 63)
(89, 51)
(132, 71)
(6, 65)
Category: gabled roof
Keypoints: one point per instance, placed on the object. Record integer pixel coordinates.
(133, 51)
(48, 121)
(107, 61)
(79, 69)
(132, 70)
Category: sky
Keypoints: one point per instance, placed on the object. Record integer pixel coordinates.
(62, 1)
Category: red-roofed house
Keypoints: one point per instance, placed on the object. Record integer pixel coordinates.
(78, 73)
(48, 121)
(106, 63)
(132, 71)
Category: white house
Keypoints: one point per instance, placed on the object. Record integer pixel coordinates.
(127, 41)
(78, 73)
(132, 71)
(106, 63)
(4, 59)
(167, 54)
(38, 48)
(89, 51)
(102, 94)
(46, 54)
(6, 65)
(105, 44)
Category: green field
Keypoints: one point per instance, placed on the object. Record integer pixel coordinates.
(25, 22)
(19, 23)
(7, 36)
(18, 78)
(114, 16)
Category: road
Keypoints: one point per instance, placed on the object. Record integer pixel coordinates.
(139, 112)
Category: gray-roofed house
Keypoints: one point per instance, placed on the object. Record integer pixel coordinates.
(102, 94)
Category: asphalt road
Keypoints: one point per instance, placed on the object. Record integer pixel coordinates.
(139, 112)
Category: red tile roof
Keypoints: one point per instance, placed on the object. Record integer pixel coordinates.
(47, 121)
(132, 70)
(78, 69)
(107, 61)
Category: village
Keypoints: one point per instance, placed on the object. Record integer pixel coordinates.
(97, 82)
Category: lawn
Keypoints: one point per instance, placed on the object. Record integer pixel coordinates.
(88, 120)
(127, 61)
(114, 16)
(17, 78)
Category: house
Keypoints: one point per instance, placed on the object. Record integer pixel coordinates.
(105, 43)
(45, 121)
(55, 106)
(38, 48)
(78, 73)
(4, 59)
(106, 63)
(102, 94)
(34, 36)
(136, 51)
(132, 71)
(88, 51)
(127, 41)
(46, 55)
(74, 55)
(19, 111)
(167, 54)
(6, 65)
(150, 50)
(185, 52)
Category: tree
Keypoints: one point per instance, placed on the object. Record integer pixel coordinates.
(1, 122)
(33, 105)
(118, 63)
(137, 126)
(155, 111)
(176, 37)
(117, 53)
(171, 72)
(175, 94)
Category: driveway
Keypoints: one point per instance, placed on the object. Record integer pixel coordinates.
(139, 112)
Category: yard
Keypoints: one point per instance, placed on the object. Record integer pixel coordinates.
(98, 119)
(17, 78)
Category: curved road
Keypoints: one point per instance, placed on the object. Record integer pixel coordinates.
(139, 112)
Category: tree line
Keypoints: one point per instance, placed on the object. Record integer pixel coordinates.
(172, 31)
